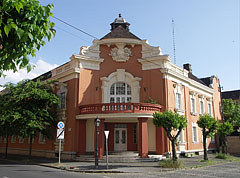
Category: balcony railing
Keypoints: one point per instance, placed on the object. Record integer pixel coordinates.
(104, 108)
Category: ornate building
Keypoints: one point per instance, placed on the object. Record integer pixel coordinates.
(112, 80)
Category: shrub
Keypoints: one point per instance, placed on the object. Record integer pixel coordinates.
(221, 156)
(169, 163)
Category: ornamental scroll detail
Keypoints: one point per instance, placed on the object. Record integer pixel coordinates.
(120, 53)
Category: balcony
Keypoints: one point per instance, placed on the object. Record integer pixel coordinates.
(105, 108)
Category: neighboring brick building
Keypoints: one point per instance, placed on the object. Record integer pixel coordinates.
(111, 80)
(233, 94)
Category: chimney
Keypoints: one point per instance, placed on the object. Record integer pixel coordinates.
(188, 67)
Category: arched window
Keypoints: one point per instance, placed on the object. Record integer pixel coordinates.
(120, 93)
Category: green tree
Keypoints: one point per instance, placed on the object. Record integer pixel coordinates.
(208, 125)
(172, 124)
(8, 117)
(34, 103)
(24, 25)
(231, 112)
(223, 130)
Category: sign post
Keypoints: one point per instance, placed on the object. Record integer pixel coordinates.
(60, 136)
(106, 134)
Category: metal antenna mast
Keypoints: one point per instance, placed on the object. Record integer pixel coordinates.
(174, 46)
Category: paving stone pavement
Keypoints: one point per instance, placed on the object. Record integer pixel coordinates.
(226, 170)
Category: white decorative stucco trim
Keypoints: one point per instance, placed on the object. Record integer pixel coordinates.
(115, 115)
(120, 76)
(120, 53)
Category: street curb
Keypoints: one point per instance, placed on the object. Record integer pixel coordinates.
(82, 171)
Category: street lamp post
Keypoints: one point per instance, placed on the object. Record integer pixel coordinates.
(97, 123)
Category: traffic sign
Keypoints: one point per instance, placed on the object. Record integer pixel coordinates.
(60, 134)
(60, 125)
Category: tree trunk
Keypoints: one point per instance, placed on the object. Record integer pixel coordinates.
(174, 154)
(223, 144)
(205, 146)
(6, 149)
(30, 148)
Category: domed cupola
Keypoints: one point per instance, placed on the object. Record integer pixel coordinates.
(120, 21)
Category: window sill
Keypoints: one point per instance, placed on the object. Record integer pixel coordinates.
(195, 142)
(193, 113)
(179, 110)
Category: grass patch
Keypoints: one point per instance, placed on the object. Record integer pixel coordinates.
(226, 157)
(169, 163)
(221, 156)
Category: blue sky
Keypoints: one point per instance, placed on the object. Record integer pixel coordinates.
(206, 31)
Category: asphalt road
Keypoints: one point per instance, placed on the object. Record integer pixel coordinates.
(13, 170)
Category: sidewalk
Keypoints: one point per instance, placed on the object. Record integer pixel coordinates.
(137, 167)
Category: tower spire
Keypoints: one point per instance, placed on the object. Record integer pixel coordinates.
(174, 46)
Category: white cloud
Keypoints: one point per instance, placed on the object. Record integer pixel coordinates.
(40, 68)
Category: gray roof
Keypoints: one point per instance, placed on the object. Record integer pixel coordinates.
(120, 32)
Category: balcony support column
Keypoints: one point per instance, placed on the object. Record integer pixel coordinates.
(143, 137)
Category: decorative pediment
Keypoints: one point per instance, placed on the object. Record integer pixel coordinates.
(120, 53)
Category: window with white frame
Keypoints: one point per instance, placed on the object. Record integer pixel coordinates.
(181, 137)
(62, 94)
(209, 104)
(120, 93)
(201, 104)
(178, 97)
(213, 139)
(193, 103)
(42, 138)
(29, 139)
(194, 133)
(62, 98)
(178, 100)
(20, 139)
(13, 139)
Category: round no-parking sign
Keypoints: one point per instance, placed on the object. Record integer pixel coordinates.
(60, 125)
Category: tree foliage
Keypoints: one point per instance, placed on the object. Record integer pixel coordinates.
(172, 124)
(223, 130)
(208, 125)
(24, 24)
(231, 111)
(30, 105)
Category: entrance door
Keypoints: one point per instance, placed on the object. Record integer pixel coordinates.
(120, 139)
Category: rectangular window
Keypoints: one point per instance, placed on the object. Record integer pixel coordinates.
(128, 90)
(13, 139)
(201, 108)
(213, 139)
(181, 137)
(111, 100)
(195, 135)
(62, 100)
(210, 109)
(193, 106)
(42, 138)
(123, 136)
(120, 88)
(20, 139)
(135, 134)
(178, 101)
(117, 137)
(112, 90)
(29, 140)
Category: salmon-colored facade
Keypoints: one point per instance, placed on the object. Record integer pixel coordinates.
(112, 80)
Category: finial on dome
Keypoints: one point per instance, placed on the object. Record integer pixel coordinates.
(120, 21)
